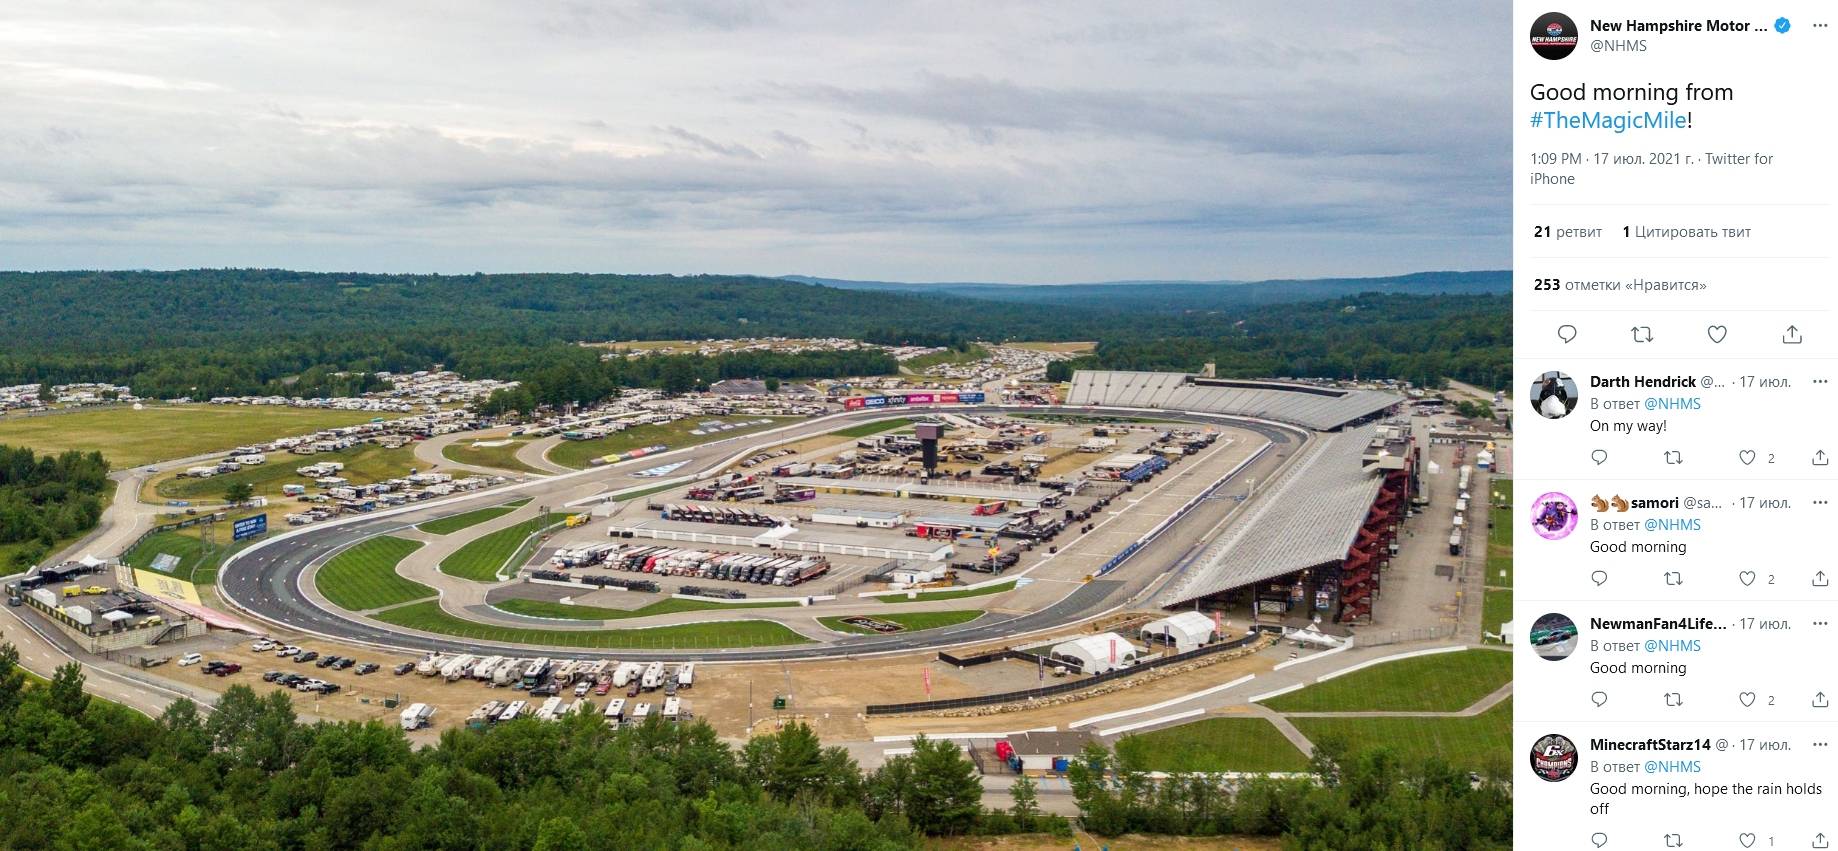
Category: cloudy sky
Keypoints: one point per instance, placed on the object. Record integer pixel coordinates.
(1027, 142)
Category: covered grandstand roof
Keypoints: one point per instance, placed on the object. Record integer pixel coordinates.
(1305, 405)
(1308, 519)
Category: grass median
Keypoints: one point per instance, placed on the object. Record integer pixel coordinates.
(1215, 744)
(1442, 682)
(1471, 742)
(429, 617)
(449, 525)
(483, 559)
(364, 576)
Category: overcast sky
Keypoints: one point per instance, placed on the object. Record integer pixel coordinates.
(1026, 142)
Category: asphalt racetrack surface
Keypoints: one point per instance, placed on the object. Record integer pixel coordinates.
(264, 581)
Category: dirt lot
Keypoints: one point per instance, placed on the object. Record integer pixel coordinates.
(361, 698)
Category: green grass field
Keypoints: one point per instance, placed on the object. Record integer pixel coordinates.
(865, 429)
(364, 576)
(579, 454)
(1443, 682)
(496, 457)
(1500, 536)
(923, 363)
(364, 464)
(1215, 744)
(669, 605)
(912, 622)
(481, 559)
(449, 525)
(1496, 609)
(1471, 743)
(926, 596)
(428, 617)
(194, 565)
(130, 438)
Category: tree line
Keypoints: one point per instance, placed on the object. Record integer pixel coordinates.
(78, 773)
(48, 498)
(207, 332)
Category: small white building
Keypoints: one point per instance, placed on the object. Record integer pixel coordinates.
(1048, 751)
(858, 518)
(1183, 631)
(1098, 654)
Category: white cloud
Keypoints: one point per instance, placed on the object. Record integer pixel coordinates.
(946, 140)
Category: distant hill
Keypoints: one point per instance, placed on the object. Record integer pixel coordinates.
(1192, 295)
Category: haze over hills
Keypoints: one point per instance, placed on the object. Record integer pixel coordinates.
(1193, 295)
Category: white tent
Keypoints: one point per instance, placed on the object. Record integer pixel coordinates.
(1183, 630)
(1097, 654)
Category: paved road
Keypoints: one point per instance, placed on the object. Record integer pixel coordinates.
(263, 581)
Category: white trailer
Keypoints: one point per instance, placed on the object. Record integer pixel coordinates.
(615, 712)
(417, 716)
(546, 712)
(673, 709)
(686, 675)
(457, 667)
(513, 711)
(653, 677)
(431, 664)
(640, 713)
(508, 672)
(487, 666)
(625, 672)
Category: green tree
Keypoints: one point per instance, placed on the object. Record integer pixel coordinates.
(66, 692)
(1027, 802)
(12, 681)
(560, 834)
(238, 493)
(945, 794)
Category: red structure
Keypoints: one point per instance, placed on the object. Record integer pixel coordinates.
(1360, 572)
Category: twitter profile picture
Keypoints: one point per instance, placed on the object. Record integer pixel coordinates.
(1554, 395)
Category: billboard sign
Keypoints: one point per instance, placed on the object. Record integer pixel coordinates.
(249, 527)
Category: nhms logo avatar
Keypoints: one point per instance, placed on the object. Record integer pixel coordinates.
(1554, 35)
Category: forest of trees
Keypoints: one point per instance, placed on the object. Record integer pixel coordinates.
(47, 498)
(82, 773)
(208, 332)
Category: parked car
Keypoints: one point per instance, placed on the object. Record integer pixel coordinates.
(190, 659)
(403, 668)
(289, 650)
(227, 669)
(344, 662)
(326, 662)
(306, 656)
(262, 645)
(582, 688)
(367, 668)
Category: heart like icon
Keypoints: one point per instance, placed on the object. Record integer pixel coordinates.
(1747, 456)
(1747, 840)
(1747, 698)
(1717, 333)
(1747, 577)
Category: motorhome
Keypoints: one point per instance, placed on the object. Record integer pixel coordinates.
(417, 716)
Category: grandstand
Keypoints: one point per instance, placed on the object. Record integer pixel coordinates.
(1306, 405)
(1325, 526)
